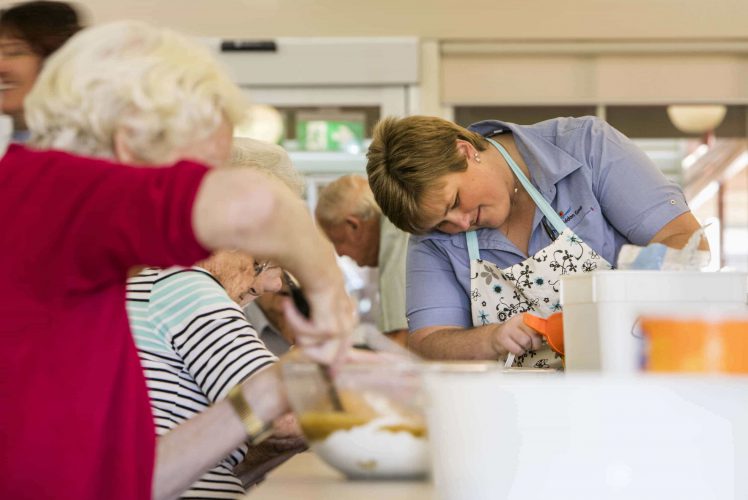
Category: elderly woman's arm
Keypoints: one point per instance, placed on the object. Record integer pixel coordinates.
(195, 446)
(248, 210)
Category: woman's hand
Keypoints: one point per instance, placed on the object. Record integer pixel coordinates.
(326, 336)
(515, 336)
(285, 442)
(286, 427)
(253, 212)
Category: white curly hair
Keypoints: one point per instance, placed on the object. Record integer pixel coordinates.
(156, 88)
(268, 158)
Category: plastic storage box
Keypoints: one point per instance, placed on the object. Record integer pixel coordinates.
(601, 310)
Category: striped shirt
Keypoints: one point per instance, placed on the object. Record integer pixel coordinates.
(195, 344)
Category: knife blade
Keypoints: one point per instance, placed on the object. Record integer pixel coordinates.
(303, 307)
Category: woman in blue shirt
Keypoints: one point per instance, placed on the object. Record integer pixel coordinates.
(500, 211)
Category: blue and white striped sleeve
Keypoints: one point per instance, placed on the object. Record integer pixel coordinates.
(208, 331)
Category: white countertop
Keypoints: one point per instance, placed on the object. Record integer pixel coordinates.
(306, 477)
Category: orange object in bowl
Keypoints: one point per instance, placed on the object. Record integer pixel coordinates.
(693, 344)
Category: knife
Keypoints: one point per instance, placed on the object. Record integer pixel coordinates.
(303, 307)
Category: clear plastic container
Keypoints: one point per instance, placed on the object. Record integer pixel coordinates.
(381, 430)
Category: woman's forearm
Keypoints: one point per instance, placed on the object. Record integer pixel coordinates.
(257, 214)
(455, 343)
(185, 453)
(253, 212)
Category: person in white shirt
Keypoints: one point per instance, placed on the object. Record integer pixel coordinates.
(350, 217)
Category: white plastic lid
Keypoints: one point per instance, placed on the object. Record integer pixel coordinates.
(655, 286)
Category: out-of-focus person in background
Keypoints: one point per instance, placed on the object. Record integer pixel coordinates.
(74, 226)
(194, 341)
(29, 33)
(350, 217)
(269, 158)
(266, 315)
(502, 211)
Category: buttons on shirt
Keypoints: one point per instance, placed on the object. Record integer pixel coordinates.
(672, 202)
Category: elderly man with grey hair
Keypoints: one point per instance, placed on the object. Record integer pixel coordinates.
(350, 217)
(77, 423)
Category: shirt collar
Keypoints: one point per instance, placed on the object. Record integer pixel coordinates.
(537, 145)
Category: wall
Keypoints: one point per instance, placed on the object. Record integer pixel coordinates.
(443, 19)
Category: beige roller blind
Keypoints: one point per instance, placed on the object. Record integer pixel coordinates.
(664, 78)
(591, 73)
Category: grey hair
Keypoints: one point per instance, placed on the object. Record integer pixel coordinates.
(268, 158)
(157, 87)
(347, 195)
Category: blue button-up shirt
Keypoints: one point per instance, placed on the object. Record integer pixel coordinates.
(605, 188)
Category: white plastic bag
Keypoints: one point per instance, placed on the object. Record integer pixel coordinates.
(657, 256)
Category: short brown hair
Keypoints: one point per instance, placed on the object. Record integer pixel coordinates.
(407, 158)
(44, 25)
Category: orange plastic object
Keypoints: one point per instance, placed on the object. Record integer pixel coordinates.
(552, 328)
(696, 345)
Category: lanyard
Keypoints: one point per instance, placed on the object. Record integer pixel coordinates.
(552, 223)
(541, 202)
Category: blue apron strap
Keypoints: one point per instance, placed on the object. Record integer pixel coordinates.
(541, 202)
(472, 244)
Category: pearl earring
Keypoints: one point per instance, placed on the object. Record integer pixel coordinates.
(477, 158)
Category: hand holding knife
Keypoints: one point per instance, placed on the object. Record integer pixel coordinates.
(303, 307)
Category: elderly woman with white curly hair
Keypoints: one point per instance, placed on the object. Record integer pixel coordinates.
(77, 423)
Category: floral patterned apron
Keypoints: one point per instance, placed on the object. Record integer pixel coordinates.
(532, 285)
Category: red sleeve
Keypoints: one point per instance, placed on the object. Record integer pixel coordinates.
(92, 220)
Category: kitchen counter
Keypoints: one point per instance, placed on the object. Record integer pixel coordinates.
(306, 477)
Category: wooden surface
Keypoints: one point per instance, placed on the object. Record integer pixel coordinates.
(306, 477)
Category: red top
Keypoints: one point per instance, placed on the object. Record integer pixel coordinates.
(75, 421)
